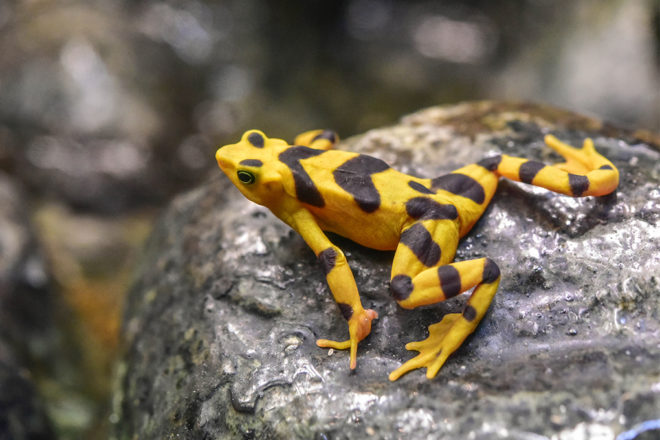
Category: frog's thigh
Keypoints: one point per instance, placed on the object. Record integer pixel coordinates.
(424, 246)
(421, 275)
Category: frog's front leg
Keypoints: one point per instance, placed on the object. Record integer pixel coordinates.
(421, 276)
(340, 280)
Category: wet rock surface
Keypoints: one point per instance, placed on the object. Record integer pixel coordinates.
(25, 320)
(220, 325)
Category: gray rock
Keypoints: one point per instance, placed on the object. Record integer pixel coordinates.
(220, 325)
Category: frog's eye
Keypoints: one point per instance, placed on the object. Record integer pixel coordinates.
(246, 177)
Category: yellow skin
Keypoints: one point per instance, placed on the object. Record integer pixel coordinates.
(314, 189)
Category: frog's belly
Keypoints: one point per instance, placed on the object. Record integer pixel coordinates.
(377, 230)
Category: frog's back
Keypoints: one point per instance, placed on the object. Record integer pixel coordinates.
(346, 191)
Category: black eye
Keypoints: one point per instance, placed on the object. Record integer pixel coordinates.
(245, 177)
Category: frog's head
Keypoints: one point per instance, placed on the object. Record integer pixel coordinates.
(252, 165)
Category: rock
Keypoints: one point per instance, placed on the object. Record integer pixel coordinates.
(220, 324)
(25, 321)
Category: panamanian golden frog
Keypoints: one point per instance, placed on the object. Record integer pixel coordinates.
(313, 189)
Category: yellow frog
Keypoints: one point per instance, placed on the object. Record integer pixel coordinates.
(314, 189)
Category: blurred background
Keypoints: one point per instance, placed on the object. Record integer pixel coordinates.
(109, 108)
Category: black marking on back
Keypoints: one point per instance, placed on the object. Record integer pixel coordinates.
(579, 184)
(427, 209)
(306, 191)
(490, 163)
(346, 310)
(529, 170)
(491, 271)
(605, 167)
(328, 258)
(419, 187)
(450, 281)
(251, 162)
(401, 287)
(469, 313)
(326, 134)
(461, 185)
(420, 242)
(354, 176)
(256, 140)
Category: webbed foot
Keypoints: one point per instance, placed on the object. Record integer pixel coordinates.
(578, 160)
(444, 338)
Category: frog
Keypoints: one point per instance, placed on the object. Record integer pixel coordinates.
(315, 188)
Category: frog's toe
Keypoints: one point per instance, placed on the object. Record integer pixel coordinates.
(338, 345)
(415, 345)
(437, 363)
(419, 361)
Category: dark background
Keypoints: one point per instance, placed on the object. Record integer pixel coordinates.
(109, 108)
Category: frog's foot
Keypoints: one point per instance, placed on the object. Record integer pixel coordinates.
(317, 139)
(585, 172)
(359, 326)
(444, 338)
(578, 160)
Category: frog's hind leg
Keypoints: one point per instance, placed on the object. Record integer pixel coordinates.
(585, 172)
(419, 278)
(317, 139)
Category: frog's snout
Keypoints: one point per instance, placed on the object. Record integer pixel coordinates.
(221, 158)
